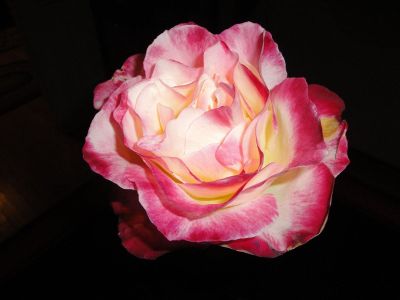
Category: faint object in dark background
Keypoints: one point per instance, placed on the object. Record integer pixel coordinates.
(75, 44)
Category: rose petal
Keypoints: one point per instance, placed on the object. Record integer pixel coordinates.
(342, 160)
(336, 159)
(102, 91)
(241, 221)
(176, 168)
(272, 63)
(229, 153)
(132, 67)
(327, 102)
(124, 114)
(330, 108)
(204, 94)
(246, 40)
(253, 91)
(218, 191)
(219, 62)
(139, 236)
(194, 201)
(131, 125)
(205, 166)
(105, 151)
(257, 49)
(255, 246)
(173, 73)
(211, 127)
(303, 197)
(265, 174)
(173, 144)
(147, 105)
(252, 156)
(165, 114)
(184, 43)
(291, 133)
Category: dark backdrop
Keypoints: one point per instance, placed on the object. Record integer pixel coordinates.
(351, 49)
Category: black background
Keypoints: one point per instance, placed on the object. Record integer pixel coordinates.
(351, 49)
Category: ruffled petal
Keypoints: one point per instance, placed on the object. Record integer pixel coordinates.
(175, 168)
(246, 40)
(272, 63)
(219, 191)
(255, 246)
(257, 49)
(330, 107)
(289, 131)
(194, 201)
(303, 198)
(240, 221)
(184, 43)
(204, 164)
(229, 153)
(102, 91)
(211, 127)
(336, 159)
(252, 155)
(253, 91)
(147, 105)
(219, 62)
(173, 73)
(132, 67)
(105, 152)
(173, 143)
(327, 102)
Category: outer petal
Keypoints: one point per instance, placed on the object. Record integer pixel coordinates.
(289, 131)
(272, 63)
(256, 48)
(240, 221)
(194, 201)
(303, 198)
(105, 152)
(139, 236)
(342, 159)
(124, 115)
(133, 66)
(337, 159)
(256, 246)
(327, 102)
(330, 108)
(102, 91)
(184, 43)
(246, 40)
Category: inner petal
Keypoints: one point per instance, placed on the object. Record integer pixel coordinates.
(174, 73)
(219, 62)
(205, 166)
(211, 127)
(147, 106)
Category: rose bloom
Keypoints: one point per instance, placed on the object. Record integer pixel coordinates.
(221, 147)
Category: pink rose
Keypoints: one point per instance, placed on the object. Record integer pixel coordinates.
(220, 145)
